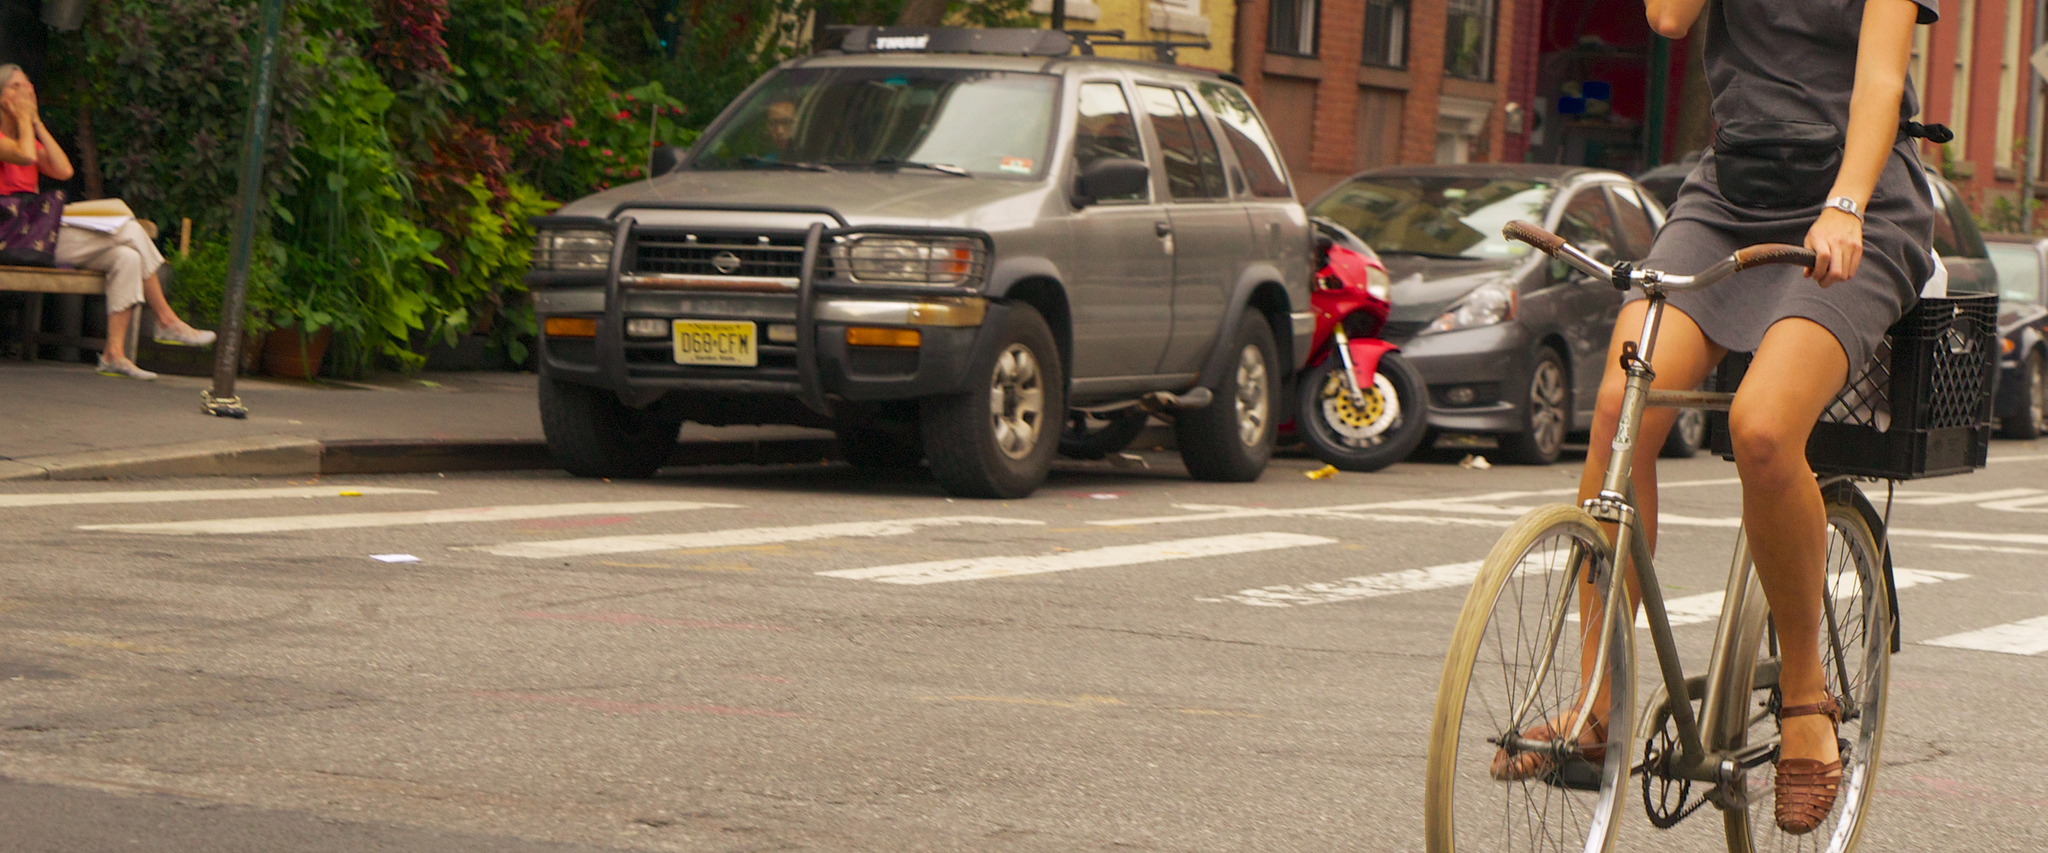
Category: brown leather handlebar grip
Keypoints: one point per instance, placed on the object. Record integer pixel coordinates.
(1773, 253)
(1532, 235)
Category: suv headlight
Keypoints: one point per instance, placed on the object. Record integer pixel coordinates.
(567, 250)
(936, 261)
(1484, 306)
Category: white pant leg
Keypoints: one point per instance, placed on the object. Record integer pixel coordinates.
(112, 254)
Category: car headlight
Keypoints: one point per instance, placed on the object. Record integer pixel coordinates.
(1484, 306)
(566, 250)
(935, 261)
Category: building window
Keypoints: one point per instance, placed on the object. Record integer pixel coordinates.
(1291, 28)
(1386, 33)
(1468, 39)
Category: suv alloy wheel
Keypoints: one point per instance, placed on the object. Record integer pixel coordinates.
(1231, 440)
(997, 439)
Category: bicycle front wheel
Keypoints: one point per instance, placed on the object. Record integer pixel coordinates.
(1855, 653)
(1515, 663)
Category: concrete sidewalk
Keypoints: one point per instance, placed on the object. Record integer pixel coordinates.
(63, 421)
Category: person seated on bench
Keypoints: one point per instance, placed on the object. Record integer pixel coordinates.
(127, 257)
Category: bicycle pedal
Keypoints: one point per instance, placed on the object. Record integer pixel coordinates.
(1574, 774)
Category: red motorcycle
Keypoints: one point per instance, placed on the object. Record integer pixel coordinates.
(1360, 405)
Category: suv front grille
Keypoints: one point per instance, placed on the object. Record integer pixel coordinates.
(719, 255)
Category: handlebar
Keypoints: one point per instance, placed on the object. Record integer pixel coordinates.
(1624, 275)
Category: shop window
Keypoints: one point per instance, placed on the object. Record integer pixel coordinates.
(1386, 33)
(1291, 27)
(1468, 39)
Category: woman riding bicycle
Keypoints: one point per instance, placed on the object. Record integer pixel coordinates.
(1810, 98)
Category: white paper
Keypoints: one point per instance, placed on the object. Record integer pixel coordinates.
(395, 558)
(1937, 284)
(102, 224)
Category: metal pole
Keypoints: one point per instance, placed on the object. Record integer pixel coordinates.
(2033, 166)
(1059, 14)
(227, 352)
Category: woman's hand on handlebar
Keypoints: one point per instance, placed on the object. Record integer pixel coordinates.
(1836, 239)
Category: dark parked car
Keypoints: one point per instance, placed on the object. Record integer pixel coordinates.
(2022, 262)
(1510, 342)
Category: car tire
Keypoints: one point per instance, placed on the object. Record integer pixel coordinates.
(2032, 419)
(1546, 415)
(872, 449)
(997, 439)
(1337, 431)
(1088, 435)
(1231, 439)
(591, 434)
(1688, 435)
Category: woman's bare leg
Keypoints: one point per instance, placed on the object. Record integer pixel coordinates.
(1797, 372)
(118, 324)
(1682, 359)
(153, 293)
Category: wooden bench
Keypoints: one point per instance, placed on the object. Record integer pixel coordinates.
(72, 285)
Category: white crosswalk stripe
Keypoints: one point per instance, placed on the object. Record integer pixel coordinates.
(338, 521)
(1706, 607)
(945, 571)
(1353, 589)
(733, 538)
(184, 495)
(2025, 637)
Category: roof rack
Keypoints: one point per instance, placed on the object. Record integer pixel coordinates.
(1017, 41)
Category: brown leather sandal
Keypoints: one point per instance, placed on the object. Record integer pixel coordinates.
(1806, 788)
(1532, 765)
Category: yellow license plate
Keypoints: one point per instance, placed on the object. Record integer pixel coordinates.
(716, 342)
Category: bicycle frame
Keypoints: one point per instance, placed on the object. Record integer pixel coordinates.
(1743, 617)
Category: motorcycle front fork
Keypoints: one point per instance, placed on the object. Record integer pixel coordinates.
(1350, 371)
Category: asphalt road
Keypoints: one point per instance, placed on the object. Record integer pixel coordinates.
(802, 658)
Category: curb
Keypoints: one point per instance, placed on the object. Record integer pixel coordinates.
(276, 456)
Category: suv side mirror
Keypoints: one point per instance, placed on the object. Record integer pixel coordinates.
(663, 160)
(1110, 177)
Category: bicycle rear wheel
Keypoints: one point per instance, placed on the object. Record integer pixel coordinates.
(1514, 649)
(1856, 654)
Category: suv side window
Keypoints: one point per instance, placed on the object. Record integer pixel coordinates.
(1636, 231)
(1104, 128)
(1194, 168)
(1587, 218)
(1255, 150)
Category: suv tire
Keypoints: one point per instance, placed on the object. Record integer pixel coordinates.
(1546, 414)
(1231, 439)
(997, 439)
(880, 449)
(592, 434)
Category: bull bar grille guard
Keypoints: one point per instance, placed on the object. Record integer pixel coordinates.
(611, 356)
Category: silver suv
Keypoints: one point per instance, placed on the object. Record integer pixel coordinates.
(945, 245)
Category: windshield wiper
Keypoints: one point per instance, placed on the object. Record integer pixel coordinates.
(942, 168)
(797, 165)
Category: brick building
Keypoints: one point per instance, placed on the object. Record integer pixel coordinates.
(1352, 84)
(1974, 77)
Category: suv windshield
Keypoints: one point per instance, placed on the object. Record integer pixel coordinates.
(1436, 216)
(947, 120)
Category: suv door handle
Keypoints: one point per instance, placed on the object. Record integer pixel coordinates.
(1162, 228)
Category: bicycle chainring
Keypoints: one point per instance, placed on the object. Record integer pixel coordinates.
(1667, 798)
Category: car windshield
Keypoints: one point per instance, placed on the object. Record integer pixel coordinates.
(2019, 271)
(1437, 216)
(943, 120)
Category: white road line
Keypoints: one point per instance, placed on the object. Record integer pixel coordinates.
(2025, 637)
(1991, 548)
(732, 538)
(81, 498)
(1706, 607)
(980, 568)
(2006, 538)
(1353, 589)
(1917, 497)
(337, 521)
(1483, 504)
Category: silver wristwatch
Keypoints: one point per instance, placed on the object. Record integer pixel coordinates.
(1846, 205)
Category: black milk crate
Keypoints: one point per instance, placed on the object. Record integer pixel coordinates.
(1921, 408)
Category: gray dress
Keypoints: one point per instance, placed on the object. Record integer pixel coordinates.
(1796, 60)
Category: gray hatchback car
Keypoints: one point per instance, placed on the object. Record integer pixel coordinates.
(944, 245)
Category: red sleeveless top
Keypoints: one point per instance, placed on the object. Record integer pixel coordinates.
(19, 178)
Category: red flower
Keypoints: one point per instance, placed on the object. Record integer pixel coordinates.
(583, 143)
(568, 121)
(605, 151)
(623, 115)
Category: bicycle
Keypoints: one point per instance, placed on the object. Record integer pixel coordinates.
(1515, 661)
